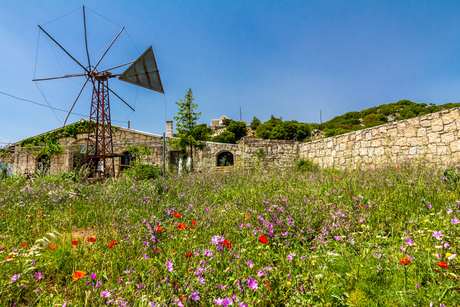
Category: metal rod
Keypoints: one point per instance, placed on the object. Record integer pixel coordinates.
(66, 76)
(107, 49)
(62, 48)
(86, 39)
(164, 154)
(118, 66)
(76, 101)
(120, 98)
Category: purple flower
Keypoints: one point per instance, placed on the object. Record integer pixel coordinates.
(98, 284)
(410, 242)
(194, 296)
(208, 253)
(93, 275)
(219, 301)
(261, 273)
(337, 238)
(105, 294)
(38, 275)
(455, 221)
(252, 283)
(437, 234)
(15, 277)
(250, 264)
(170, 266)
(201, 280)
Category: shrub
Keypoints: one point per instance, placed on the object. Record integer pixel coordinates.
(225, 137)
(142, 171)
(306, 166)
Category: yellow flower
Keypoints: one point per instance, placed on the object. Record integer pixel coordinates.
(267, 246)
(428, 249)
(448, 255)
(288, 283)
(313, 261)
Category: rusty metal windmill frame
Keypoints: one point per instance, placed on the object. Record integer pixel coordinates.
(143, 72)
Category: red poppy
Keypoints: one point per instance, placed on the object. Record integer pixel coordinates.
(158, 228)
(269, 288)
(10, 256)
(3, 247)
(191, 227)
(174, 251)
(442, 264)
(52, 246)
(227, 243)
(78, 275)
(112, 244)
(176, 214)
(265, 282)
(246, 217)
(263, 240)
(156, 251)
(90, 239)
(181, 298)
(71, 209)
(193, 222)
(74, 242)
(188, 255)
(24, 244)
(181, 226)
(405, 260)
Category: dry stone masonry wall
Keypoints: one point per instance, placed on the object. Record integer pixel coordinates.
(433, 136)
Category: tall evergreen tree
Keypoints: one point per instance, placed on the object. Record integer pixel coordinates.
(186, 122)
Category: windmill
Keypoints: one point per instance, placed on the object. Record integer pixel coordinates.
(142, 72)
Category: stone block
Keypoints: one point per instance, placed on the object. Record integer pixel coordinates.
(368, 136)
(450, 116)
(441, 150)
(376, 143)
(450, 127)
(410, 132)
(412, 150)
(437, 125)
(434, 138)
(455, 146)
(421, 132)
(379, 151)
(447, 138)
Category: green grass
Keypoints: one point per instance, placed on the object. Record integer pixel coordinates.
(334, 239)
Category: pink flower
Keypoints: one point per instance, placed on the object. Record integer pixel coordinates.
(252, 283)
(437, 234)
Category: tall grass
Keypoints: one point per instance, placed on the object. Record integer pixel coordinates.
(374, 237)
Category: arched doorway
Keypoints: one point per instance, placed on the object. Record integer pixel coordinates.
(43, 164)
(225, 159)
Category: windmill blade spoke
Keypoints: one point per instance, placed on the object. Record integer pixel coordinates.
(111, 68)
(76, 100)
(108, 49)
(53, 78)
(62, 48)
(119, 97)
(86, 38)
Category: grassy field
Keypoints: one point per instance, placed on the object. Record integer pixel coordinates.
(378, 237)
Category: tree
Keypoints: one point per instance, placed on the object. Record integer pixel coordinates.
(238, 128)
(226, 121)
(255, 123)
(186, 122)
(225, 137)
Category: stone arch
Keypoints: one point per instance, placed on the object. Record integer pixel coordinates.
(225, 158)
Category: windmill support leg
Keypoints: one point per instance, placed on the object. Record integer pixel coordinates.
(99, 144)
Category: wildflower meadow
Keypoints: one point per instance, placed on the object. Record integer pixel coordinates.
(383, 236)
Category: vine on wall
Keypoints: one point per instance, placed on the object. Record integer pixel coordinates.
(50, 140)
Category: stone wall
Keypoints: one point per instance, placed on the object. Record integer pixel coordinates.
(433, 136)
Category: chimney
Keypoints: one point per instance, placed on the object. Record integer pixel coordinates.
(169, 129)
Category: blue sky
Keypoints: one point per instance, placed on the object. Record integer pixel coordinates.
(287, 58)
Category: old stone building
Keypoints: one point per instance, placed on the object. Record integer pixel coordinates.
(433, 136)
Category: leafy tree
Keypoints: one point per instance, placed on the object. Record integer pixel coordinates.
(226, 122)
(264, 130)
(255, 123)
(202, 132)
(186, 123)
(225, 137)
(238, 128)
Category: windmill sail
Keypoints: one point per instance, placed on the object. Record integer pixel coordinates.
(144, 72)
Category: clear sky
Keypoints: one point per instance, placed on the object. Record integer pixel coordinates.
(287, 58)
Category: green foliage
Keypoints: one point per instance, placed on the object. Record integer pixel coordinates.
(452, 175)
(186, 123)
(202, 132)
(255, 123)
(225, 137)
(373, 119)
(142, 171)
(226, 122)
(50, 140)
(303, 165)
(238, 129)
(140, 152)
